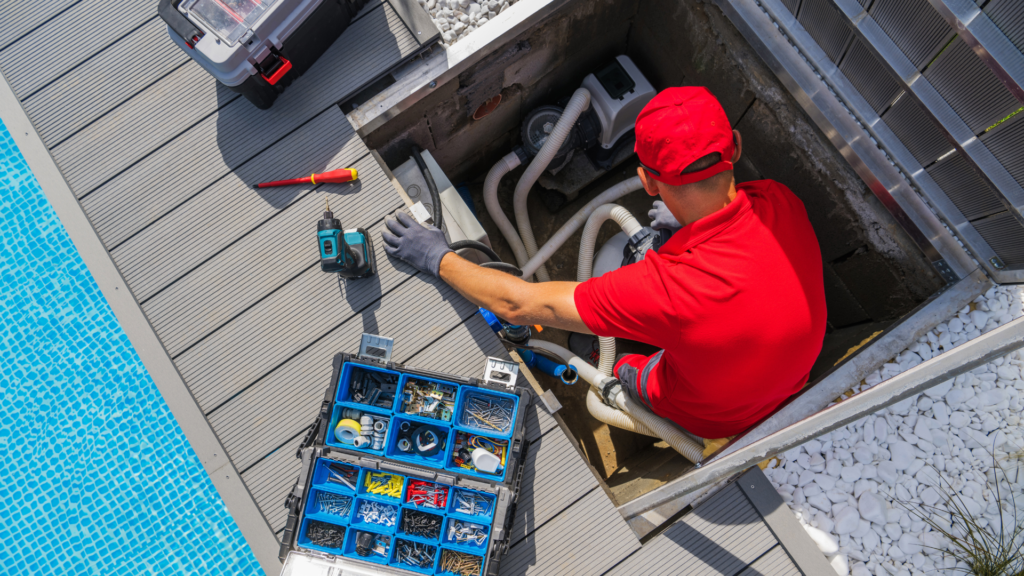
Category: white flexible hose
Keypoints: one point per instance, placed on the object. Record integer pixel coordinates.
(508, 163)
(601, 215)
(597, 408)
(662, 428)
(586, 264)
(579, 219)
(577, 105)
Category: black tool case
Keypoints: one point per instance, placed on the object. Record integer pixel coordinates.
(326, 527)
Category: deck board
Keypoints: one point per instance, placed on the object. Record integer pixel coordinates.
(103, 82)
(92, 25)
(21, 18)
(586, 538)
(722, 536)
(270, 480)
(775, 562)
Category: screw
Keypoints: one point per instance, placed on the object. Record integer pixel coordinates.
(433, 84)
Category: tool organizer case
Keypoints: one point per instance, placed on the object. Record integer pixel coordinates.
(257, 47)
(326, 525)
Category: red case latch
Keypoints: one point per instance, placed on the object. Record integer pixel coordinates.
(282, 68)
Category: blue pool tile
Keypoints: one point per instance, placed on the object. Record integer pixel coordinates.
(96, 477)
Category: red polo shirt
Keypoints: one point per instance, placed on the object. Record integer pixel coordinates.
(736, 300)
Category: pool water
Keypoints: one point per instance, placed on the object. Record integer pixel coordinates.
(96, 477)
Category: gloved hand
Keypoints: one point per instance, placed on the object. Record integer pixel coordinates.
(421, 246)
(662, 219)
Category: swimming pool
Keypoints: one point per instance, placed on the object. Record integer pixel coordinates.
(96, 477)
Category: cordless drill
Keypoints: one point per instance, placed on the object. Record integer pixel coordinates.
(349, 253)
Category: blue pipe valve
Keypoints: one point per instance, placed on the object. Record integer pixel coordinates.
(565, 373)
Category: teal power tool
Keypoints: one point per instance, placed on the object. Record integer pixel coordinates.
(348, 253)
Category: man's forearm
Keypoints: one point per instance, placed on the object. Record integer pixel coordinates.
(511, 298)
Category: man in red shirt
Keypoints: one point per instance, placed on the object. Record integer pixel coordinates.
(735, 297)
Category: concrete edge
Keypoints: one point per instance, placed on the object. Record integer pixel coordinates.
(782, 523)
(240, 503)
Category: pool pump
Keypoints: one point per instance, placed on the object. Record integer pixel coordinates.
(349, 253)
(618, 92)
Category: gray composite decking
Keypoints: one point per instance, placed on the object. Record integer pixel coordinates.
(160, 159)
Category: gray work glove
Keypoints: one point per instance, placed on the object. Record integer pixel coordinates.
(421, 246)
(662, 219)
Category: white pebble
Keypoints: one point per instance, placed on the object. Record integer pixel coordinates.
(902, 455)
(910, 545)
(958, 420)
(840, 564)
(847, 520)
(872, 508)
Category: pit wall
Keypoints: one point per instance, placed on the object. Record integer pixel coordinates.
(873, 272)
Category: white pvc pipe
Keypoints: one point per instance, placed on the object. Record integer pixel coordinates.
(577, 105)
(508, 163)
(579, 219)
(597, 408)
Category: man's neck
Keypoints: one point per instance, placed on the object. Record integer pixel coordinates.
(699, 204)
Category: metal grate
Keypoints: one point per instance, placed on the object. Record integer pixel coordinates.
(827, 26)
(914, 26)
(968, 192)
(916, 130)
(1008, 16)
(1006, 142)
(1006, 237)
(970, 87)
(869, 77)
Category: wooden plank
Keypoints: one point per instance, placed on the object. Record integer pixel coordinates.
(68, 40)
(286, 400)
(721, 536)
(587, 538)
(775, 562)
(20, 18)
(103, 82)
(555, 476)
(256, 341)
(222, 214)
(270, 480)
(372, 45)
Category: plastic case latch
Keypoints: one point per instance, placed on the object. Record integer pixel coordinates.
(498, 372)
(373, 347)
(277, 69)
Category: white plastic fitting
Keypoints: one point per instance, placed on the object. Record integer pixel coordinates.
(577, 105)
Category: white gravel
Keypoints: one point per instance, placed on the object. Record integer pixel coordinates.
(458, 18)
(843, 487)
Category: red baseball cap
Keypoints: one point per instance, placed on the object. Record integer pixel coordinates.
(679, 126)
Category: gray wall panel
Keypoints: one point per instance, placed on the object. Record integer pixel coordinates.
(89, 91)
(1006, 142)
(827, 26)
(372, 45)
(970, 87)
(971, 195)
(916, 130)
(69, 39)
(1008, 16)
(587, 538)
(1006, 237)
(208, 222)
(869, 77)
(914, 26)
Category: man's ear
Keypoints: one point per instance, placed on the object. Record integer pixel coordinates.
(650, 184)
(739, 146)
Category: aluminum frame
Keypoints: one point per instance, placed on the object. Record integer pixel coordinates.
(769, 27)
(955, 129)
(986, 40)
(962, 359)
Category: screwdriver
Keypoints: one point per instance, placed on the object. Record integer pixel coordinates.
(339, 176)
